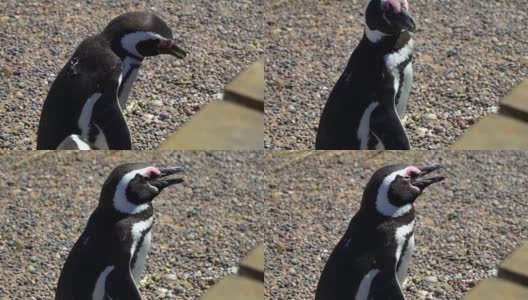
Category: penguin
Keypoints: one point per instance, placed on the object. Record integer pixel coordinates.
(371, 260)
(86, 101)
(368, 102)
(109, 257)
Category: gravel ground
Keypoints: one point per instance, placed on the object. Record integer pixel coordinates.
(38, 37)
(466, 225)
(203, 227)
(468, 55)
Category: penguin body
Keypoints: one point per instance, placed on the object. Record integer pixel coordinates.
(372, 259)
(366, 105)
(89, 95)
(109, 257)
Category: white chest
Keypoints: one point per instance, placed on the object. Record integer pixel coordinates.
(402, 84)
(99, 289)
(129, 75)
(404, 250)
(405, 91)
(405, 261)
(141, 259)
(142, 252)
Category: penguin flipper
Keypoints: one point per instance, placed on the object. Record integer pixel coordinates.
(108, 115)
(121, 286)
(386, 125)
(385, 286)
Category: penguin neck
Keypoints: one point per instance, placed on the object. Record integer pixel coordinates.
(370, 216)
(132, 60)
(109, 213)
(385, 42)
(130, 68)
(380, 209)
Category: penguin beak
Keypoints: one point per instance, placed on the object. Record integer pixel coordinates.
(163, 183)
(421, 182)
(402, 21)
(170, 47)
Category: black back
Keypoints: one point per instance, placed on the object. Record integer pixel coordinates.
(105, 241)
(94, 67)
(365, 80)
(367, 244)
(91, 66)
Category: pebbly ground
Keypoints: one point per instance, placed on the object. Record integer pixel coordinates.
(466, 225)
(202, 228)
(38, 37)
(468, 55)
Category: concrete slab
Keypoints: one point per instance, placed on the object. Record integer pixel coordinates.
(248, 87)
(236, 288)
(497, 289)
(253, 264)
(495, 132)
(515, 267)
(516, 103)
(221, 125)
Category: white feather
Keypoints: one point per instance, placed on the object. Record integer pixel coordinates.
(401, 273)
(73, 142)
(86, 115)
(99, 289)
(383, 204)
(129, 81)
(364, 286)
(137, 229)
(374, 36)
(364, 126)
(120, 200)
(130, 41)
(392, 62)
(405, 90)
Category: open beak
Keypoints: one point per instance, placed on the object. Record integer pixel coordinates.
(421, 182)
(160, 183)
(403, 21)
(172, 49)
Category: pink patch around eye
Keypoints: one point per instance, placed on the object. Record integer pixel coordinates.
(411, 170)
(165, 43)
(392, 4)
(151, 170)
(405, 4)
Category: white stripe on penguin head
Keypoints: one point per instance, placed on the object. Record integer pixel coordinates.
(131, 40)
(120, 200)
(383, 205)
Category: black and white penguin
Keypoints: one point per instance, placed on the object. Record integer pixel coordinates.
(366, 106)
(371, 260)
(86, 101)
(107, 260)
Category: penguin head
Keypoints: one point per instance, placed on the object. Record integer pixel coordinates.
(392, 190)
(387, 17)
(141, 34)
(131, 187)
